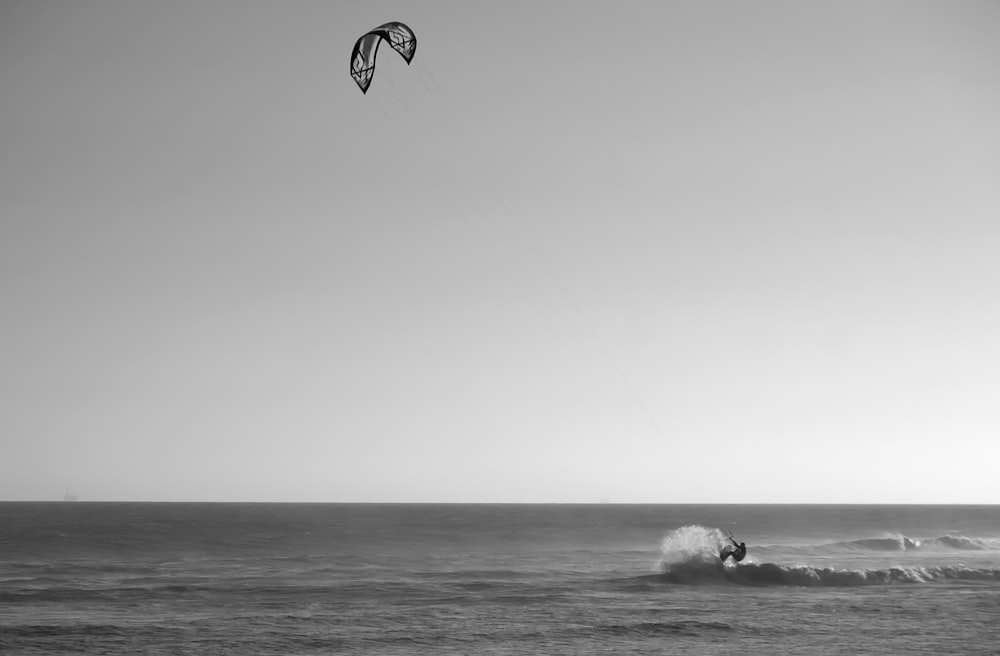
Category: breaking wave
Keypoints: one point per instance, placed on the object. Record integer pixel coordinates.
(894, 543)
(690, 557)
(707, 572)
(904, 543)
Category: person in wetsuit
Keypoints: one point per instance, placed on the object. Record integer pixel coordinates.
(737, 551)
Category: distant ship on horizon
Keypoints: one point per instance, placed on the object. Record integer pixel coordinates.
(69, 496)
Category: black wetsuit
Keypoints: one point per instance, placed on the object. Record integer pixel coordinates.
(737, 551)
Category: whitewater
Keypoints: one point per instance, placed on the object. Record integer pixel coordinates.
(254, 579)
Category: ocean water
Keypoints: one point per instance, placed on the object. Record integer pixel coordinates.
(250, 579)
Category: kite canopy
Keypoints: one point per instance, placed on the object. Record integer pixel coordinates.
(399, 36)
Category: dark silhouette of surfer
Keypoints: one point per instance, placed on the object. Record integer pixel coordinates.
(738, 551)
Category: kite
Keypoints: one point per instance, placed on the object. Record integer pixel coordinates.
(399, 36)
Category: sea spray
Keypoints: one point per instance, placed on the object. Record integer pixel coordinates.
(690, 554)
(692, 543)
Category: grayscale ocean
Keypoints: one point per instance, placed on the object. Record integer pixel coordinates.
(288, 579)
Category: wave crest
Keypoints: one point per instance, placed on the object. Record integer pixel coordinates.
(904, 543)
(773, 574)
(704, 572)
(892, 543)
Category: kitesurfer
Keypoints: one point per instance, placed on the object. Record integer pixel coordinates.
(738, 551)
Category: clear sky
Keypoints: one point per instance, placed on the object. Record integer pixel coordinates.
(577, 251)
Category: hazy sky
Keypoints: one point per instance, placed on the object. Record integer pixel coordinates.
(578, 251)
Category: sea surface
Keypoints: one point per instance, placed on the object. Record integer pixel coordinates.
(288, 579)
